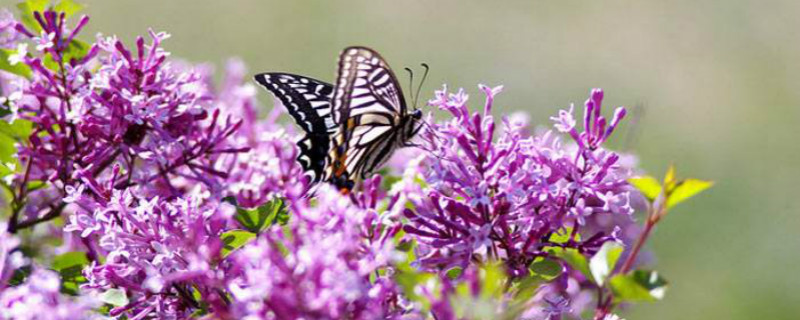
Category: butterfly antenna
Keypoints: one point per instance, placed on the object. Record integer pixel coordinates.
(419, 88)
(410, 80)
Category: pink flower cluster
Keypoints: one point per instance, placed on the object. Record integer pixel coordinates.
(187, 202)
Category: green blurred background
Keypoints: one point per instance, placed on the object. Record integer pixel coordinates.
(719, 82)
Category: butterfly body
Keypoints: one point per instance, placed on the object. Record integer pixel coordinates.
(353, 126)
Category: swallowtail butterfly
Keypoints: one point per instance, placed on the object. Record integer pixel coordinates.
(351, 127)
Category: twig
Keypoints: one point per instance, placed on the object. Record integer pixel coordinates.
(52, 214)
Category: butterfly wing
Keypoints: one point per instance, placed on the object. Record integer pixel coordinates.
(308, 102)
(369, 108)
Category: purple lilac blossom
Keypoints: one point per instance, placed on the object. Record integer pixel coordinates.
(39, 298)
(139, 149)
(123, 137)
(502, 198)
(9, 84)
(10, 259)
(9, 37)
(40, 291)
(269, 169)
(157, 251)
(117, 118)
(316, 267)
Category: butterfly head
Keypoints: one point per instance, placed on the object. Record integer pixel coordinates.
(415, 96)
(417, 114)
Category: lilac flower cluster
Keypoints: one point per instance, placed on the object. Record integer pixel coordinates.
(157, 251)
(110, 118)
(155, 172)
(10, 259)
(126, 143)
(268, 170)
(40, 291)
(498, 198)
(317, 267)
(502, 198)
(138, 151)
(9, 38)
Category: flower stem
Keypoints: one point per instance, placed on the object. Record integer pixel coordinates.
(638, 247)
(654, 215)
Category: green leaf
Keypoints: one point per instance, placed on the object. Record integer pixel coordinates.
(114, 297)
(603, 262)
(35, 185)
(408, 280)
(647, 185)
(19, 69)
(541, 271)
(26, 9)
(75, 51)
(257, 219)
(485, 305)
(641, 285)
(7, 151)
(669, 177)
(19, 130)
(454, 273)
(526, 288)
(10, 135)
(230, 200)
(389, 180)
(401, 243)
(563, 236)
(196, 295)
(105, 309)
(405, 245)
(494, 279)
(69, 266)
(686, 189)
(19, 276)
(546, 269)
(235, 239)
(68, 260)
(68, 7)
(573, 258)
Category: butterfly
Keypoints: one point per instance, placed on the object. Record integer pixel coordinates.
(353, 126)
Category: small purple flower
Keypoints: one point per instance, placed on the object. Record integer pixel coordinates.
(268, 171)
(10, 259)
(116, 118)
(19, 55)
(9, 36)
(40, 293)
(136, 150)
(45, 41)
(501, 198)
(318, 266)
(156, 250)
(564, 122)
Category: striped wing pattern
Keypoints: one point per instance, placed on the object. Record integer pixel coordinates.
(370, 110)
(308, 102)
(353, 126)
